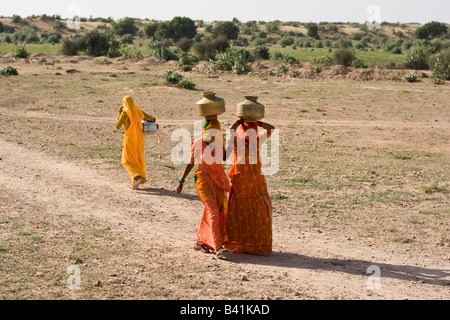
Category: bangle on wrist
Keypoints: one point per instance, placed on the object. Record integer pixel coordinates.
(181, 181)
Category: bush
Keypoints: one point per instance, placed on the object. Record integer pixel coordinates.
(285, 58)
(326, 60)
(150, 29)
(288, 41)
(261, 52)
(127, 39)
(26, 36)
(431, 30)
(21, 52)
(441, 68)
(411, 77)
(207, 49)
(125, 26)
(101, 44)
(344, 57)
(59, 26)
(417, 57)
(71, 47)
(313, 30)
(347, 58)
(173, 77)
(187, 84)
(272, 27)
(184, 44)
(92, 43)
(9, 71)
(187, 59)
(52, 38)
(159, 50)
(16, 19)
(233, 59)
(130, 52)
(227, 29)
(183, 27)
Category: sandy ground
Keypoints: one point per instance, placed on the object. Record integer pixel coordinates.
(59, 209)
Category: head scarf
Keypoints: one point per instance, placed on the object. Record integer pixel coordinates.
(134, 113)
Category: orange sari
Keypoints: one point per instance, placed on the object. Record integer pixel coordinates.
(249, 216)
(212, 186)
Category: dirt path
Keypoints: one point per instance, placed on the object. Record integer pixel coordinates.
(304, 265)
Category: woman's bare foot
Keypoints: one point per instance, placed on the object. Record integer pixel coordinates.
(137, 183)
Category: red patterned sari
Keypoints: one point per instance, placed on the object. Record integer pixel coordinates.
(249, 216)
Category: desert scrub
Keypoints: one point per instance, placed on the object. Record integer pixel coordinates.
(441, 68)
(20, 53)
(285, 58)
(411, 77)
(187, 60)
(173, 77)
(9, 71)
(187, 84)
(233, 59)
(159, 50)
(417, 57)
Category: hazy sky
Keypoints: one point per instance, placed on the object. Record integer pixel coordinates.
(264, 10)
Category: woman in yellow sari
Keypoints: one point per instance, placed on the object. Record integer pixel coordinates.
(212, 186)
(131, 117)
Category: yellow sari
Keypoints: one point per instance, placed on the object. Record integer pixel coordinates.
(134, 142)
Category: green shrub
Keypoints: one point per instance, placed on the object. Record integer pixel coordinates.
(187, 59)
(59, 26)
(27, 35)
(261, 52)
(9, 71)
(93, 43)
(344, 56)
(98, 44)
(184, 44)
(125, 26)
(431, 30)
(130, 52)
(411, 77)
(16, 19)
(21, 52)
(440, 64)
(150, 29)
(233, 59)
(285, 58)
(187, 84)
(173, 77)
(159, 50)
(227, 29)
(313, 30)
(287, 41)
(326, 60)
(71, 47)
(417, 57)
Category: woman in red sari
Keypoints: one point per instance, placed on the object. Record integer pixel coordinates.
(249, 216)
(212, 186)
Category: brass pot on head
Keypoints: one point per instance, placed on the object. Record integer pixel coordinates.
(210, 105)
(251, 109)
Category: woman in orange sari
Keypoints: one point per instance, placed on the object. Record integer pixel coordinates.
(131, 117)
(249, 216)
(212, 186)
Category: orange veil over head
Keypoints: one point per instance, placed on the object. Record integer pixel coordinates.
(133, 141)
